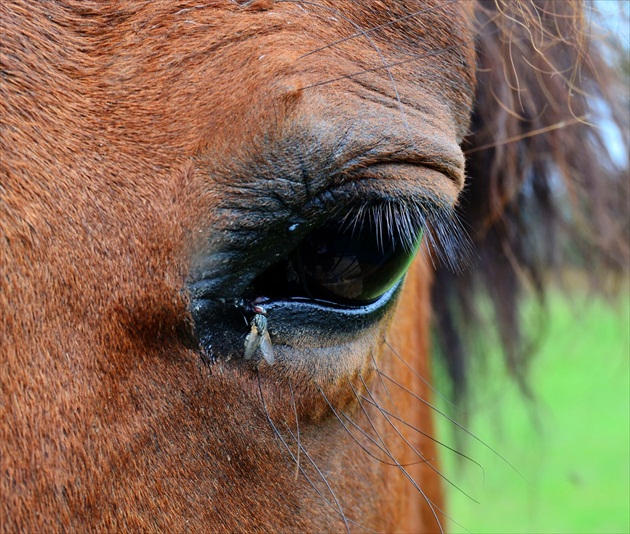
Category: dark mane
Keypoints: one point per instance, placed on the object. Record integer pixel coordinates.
(543, 192)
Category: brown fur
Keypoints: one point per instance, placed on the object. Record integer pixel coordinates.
(133, 133)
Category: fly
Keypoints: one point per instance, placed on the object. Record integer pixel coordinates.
(258, 337)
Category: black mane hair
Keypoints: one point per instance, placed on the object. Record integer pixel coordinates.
(543, 193)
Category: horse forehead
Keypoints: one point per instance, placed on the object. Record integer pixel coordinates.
(187, 33)
(132, 64)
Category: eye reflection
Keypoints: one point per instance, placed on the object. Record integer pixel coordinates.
(350, 264)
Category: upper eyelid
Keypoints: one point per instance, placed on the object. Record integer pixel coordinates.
(312, 159)
(253, 238)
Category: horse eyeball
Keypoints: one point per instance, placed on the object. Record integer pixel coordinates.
(352, 260)
(352, 265)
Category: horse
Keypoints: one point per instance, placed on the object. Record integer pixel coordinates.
(229, 229)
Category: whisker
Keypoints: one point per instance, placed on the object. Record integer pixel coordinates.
(408, 464)
(297, 430)
(418, 375)
(413, 427)
(337, 509)
(379, 27)
(346, 519)
(376, 49)
(428, 436)
(381, 67)
(370, 438)
(385, 413)
(432, 506)
(458, 425)
(389, 397)
(355, 425)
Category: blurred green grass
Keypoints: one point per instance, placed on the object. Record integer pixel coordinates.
(570, 444)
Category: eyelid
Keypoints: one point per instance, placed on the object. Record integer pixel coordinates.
(410, 180)
(300, 189)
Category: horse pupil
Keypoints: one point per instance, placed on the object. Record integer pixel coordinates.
(340, 263)
(351, 265)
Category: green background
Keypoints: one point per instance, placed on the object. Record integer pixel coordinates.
(570, 444)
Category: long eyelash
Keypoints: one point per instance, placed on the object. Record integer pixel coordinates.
(447, 241)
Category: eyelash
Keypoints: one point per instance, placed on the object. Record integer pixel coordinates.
(355, 259)
(441, 226)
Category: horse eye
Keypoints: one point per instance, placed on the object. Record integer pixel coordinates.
(347, 264)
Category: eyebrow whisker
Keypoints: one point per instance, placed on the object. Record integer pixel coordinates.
(375, 48)
(379, 27)
(381, 67)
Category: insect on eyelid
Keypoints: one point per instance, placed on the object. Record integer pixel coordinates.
(258, 337)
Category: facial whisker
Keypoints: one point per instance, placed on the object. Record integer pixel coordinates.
(346, 519)
(391, 401)
(453, 421)
(338, 508)
(386, 414)
(365, 434)
(416, 374)
(297, 430)
(370, 438)
(393, 464)
(379, 27)
(428, 436)
(399, 418)
(430, 503)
